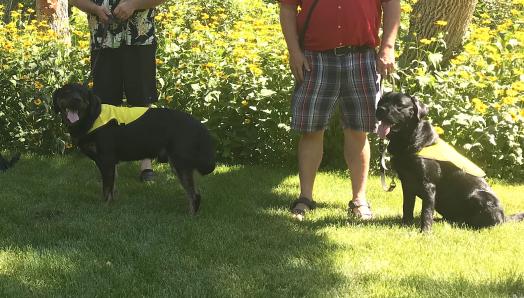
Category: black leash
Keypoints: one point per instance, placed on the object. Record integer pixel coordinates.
(384, 148)
(383, 170)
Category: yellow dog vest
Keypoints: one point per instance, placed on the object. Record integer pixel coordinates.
(123, 115)
(442, 151)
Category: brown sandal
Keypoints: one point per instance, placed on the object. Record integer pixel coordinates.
(299, 211)
(360, 210)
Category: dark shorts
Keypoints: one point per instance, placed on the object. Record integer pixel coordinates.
(350, 80)
(129, 71)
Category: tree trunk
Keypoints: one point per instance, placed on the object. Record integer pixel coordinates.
(423, 25)
(56, 14)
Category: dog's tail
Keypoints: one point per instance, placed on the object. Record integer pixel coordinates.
(206, 153)
(515, 217)
(5, 164)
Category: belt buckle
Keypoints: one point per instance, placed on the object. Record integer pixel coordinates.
(343, 49)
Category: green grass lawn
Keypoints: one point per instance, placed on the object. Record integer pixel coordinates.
(57, 238)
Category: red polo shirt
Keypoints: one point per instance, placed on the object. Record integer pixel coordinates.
(336, 23)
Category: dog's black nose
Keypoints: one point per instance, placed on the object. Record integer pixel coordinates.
(381, 112)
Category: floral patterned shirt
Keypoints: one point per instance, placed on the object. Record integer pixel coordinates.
(139, 29)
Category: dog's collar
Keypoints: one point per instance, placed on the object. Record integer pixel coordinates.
(442, 151)
(123, 115)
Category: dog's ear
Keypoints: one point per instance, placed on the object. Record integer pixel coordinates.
(56, 108)
(94, 102)
(421, 110)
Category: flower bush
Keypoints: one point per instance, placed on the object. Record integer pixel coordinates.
(226, 63)
(33, 62)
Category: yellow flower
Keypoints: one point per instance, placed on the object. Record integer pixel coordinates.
(519, 86)
(247, 121)
(521, 113)
(90, 84)
(255, 69)
(38, 85)
(471, 49)
(169, 98)
(481, 108)
(441, 23)
(406, 8)
(68, 145)
(509, 100)
(425, 41)
(244, 103)
(465, 75)
(37, 101)
(439, 130)
(476, 101)
(158, 62)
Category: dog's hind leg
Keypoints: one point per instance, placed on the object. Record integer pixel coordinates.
(187, 179)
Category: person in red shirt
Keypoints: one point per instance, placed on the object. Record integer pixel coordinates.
(339, 62)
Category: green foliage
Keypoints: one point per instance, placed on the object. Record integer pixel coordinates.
(226, 63)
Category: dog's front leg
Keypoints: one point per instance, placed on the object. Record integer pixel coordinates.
(408, 205)
(107, 169)
(428, 206)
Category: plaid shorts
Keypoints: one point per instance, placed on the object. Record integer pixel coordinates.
(352, 78)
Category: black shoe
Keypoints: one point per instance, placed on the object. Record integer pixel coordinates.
(147, 175)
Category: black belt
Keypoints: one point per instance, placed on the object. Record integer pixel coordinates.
(341, 51)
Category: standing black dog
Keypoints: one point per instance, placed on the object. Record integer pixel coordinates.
(444, 186)
(109, 134)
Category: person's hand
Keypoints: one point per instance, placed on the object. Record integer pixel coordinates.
(103, 14)
(297, 63)
(386, 61)
(124, 10)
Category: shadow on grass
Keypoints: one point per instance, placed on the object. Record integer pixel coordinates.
(59, 238)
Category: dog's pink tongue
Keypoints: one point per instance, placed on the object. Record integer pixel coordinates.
(383, 130)
(72, 116)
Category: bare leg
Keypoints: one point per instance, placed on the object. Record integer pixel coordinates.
(357, 155)
(146, 170)
(145, 164)
(310, 150)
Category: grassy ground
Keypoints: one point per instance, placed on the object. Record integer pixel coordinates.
(57, 238)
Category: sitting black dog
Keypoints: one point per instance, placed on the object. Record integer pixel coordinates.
(454, 188)
(6, 164)
(109, 134)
